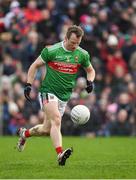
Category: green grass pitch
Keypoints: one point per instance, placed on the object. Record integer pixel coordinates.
(98, 158)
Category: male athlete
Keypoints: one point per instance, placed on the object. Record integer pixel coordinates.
(62, 61)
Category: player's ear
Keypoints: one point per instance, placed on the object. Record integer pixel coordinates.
(65, 38)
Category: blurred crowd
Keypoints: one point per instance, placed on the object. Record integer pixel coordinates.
(110, 37)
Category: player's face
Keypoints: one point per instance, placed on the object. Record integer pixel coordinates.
(73, 42)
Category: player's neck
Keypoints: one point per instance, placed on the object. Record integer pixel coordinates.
(64, 44)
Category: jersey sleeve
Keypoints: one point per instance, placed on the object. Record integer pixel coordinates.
(86, 60)
(45, 55)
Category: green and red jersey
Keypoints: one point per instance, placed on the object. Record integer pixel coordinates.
(61, 69)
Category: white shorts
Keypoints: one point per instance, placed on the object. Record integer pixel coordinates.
(48, 97)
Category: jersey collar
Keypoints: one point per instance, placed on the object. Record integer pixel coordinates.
(62, 43)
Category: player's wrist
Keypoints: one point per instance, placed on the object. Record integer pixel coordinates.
(28, 84)
(89, 82)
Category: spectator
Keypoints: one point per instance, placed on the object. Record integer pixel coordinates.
(46, 27)
(32, 13)
(15, 12)
(120, 127)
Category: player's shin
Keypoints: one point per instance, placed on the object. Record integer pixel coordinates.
(39, 130)
(56, 136)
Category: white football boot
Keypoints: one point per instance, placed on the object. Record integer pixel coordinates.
(62, 157)
(22, 140)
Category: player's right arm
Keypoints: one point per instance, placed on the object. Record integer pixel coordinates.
(33, 69)
(31, 75)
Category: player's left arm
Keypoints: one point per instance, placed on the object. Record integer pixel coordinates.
(86, 63)
(90, 73)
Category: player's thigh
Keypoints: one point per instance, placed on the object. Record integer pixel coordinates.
(50, 105)
(46, 123)
(51, 110)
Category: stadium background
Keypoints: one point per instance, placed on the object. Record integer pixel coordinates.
(110, 38)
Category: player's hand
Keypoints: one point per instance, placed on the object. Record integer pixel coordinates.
(90, 86)
(27, 90)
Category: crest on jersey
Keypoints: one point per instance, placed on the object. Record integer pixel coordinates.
(68, 59)
(76, 59)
